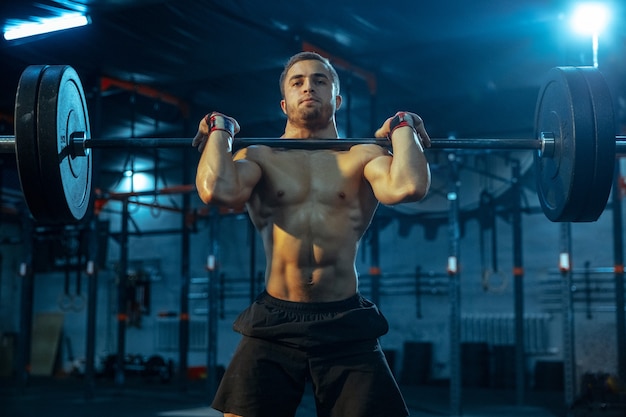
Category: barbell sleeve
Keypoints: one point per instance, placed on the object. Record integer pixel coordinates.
(7, 144)
(620, 144)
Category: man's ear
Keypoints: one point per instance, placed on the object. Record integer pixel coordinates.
(283, 105)
(338, 102)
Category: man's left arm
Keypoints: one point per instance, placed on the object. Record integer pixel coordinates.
(405, 176)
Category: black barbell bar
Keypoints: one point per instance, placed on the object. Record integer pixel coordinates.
(79, 145)
(314, 144)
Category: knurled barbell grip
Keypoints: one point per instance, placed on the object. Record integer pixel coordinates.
(306, 144)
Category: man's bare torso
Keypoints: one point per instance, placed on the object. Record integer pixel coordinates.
(311, 208)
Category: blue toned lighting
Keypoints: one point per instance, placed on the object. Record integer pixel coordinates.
(42, 26)
(137, 181)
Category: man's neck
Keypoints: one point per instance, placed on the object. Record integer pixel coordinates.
(300, 132)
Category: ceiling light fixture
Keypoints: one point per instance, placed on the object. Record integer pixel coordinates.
(26, 29)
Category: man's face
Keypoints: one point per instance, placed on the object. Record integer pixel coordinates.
(310, 97)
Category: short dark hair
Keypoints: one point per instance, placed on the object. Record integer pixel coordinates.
(307, 56)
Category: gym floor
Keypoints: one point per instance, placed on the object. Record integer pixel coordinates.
(65, 396)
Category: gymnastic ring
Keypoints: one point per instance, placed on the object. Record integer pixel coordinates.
(65, 302)
(488, 274)
(78, 303)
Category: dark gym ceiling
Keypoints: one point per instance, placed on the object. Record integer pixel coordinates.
(470, 68)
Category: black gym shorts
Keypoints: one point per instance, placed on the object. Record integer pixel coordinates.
(334, 345)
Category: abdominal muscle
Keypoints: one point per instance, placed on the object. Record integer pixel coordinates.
(313, 259)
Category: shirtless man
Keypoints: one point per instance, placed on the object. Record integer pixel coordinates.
(311, 209)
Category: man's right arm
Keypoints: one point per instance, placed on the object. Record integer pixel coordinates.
(220, 178)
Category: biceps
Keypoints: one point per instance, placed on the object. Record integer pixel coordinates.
(248, 175)
(376, 172)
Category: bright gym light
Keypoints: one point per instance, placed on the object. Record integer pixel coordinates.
(42, 26)
(590, 18)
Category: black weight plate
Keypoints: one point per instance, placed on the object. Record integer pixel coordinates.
(26, 148)
(564, 179)
(62, 110)
(604, 121)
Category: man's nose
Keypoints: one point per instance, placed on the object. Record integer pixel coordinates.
(308, 84)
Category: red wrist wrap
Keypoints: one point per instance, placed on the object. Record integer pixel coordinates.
(401, 119)
(219, 122)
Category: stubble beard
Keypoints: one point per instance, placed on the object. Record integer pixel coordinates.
(316, 118)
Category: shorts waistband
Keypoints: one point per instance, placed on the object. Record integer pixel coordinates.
(354, 301)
